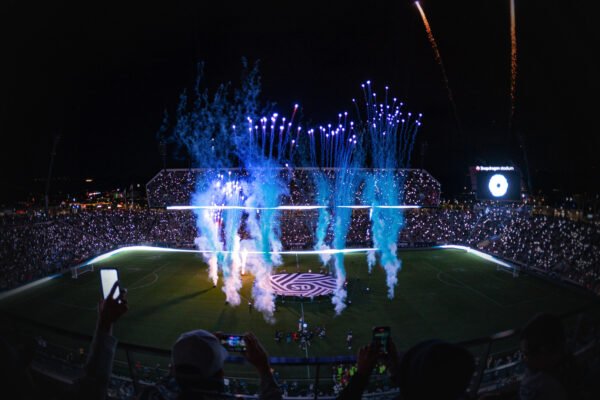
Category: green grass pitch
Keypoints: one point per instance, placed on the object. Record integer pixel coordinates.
(448, 294)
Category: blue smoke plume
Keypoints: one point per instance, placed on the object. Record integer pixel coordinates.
(206, 129)
(334, 150)
(390, 132)
(247, 161)
(323, 195)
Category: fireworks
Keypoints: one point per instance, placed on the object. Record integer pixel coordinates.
(391, 135)
(513, 62)
(262, 149)
(438, 59)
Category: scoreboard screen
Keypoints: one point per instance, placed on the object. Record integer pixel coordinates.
(496, 183)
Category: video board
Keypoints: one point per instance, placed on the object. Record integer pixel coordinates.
(496, 183)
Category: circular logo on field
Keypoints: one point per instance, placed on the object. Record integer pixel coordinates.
(303, 284)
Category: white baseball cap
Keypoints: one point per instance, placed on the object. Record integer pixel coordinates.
(200, 350)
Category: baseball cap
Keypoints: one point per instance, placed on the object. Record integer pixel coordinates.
(199, 351)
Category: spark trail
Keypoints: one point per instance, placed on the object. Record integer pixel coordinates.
(391, 135)
(207, 130)
(334, 149)
(263, 150)
(248, 162)
(438, 59)
(231, 219)
(219, 240)
(513, 63)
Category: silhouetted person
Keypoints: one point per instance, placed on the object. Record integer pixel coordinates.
(15, 378)
(551, 370)
(14, 372)
(198, 359)
(432, 369)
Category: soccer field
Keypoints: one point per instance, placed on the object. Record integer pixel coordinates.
(442, 293)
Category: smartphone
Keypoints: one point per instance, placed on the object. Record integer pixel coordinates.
(108, 277)
(381, 334)
(234, 343)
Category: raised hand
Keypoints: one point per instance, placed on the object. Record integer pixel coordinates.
(110, 309)
(367, 357)
(256, 354)
(392, 360)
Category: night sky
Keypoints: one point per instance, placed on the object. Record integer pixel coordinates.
(101, 74)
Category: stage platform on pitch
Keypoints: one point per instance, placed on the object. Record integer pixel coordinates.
(303, 284)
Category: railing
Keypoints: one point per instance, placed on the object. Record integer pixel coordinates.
(302, 377)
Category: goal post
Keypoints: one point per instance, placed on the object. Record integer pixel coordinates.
(79, 270)
(512, 269)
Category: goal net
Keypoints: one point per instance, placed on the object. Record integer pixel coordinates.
(79, 270)
(513, 269)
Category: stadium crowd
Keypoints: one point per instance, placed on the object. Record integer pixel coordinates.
(176, 186)
(430, 369)
(33, 247)
(555, 246)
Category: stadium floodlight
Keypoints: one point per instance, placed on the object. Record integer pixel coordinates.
(498, 185)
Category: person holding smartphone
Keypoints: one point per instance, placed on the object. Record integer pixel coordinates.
(99, 364)
(198, 359)
(431, 369)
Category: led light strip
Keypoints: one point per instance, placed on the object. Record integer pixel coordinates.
(243, 208)
(169, 250)
(166, 250)
(282, 207)
(30, 285)
(477, 253)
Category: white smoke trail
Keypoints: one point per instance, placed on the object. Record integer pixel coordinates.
(213, 269)
(208, 227)
(325, 257)
(243, 258)
(233, 282)
(261, 267)
(371, 259)
(203, 244)
(340, 294)
(262, 291)
(276, 247)
(392, 266)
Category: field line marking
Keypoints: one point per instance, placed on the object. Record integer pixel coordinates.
(467, 286)
(147, 284)
(155, 272)
(62, 303)
(439, 278)
(518, 303)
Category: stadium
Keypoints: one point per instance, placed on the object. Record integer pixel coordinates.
(469, 274)
(354, 217)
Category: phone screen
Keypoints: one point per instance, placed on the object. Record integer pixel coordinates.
(233, 343)
(381, 335)
(108, 277)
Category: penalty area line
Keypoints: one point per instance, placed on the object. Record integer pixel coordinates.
(147, 284)
(105, 256)
(467, 286)
(155, 273)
